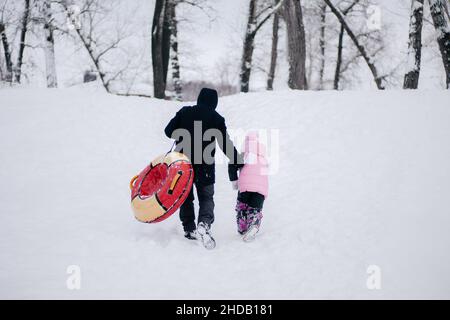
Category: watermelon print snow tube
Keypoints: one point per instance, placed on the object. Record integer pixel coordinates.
(161, 188)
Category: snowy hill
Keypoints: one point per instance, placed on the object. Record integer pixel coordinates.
(363, 179)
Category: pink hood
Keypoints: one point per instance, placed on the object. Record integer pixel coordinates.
(253, 176)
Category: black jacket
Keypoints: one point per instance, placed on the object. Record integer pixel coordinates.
(203, 114)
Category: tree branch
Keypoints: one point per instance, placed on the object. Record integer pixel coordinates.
(274, 10)
(339, 15)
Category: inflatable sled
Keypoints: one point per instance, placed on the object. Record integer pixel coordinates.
(161, 188)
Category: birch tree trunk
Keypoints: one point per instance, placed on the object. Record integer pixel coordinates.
(274, 52)
(378, 80)
(49, 45)
(174, 54)
(296, 44)
(249, 45)
(441, 24)
(23, 33)
(411, 80)
(7, 53)
(323, 17)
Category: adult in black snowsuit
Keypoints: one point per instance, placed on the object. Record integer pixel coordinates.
(197, 120)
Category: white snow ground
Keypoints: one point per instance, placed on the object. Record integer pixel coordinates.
(364, 180)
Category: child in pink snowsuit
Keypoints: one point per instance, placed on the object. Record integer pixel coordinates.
(253, 186)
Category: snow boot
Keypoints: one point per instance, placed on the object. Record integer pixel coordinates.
(254, 218)
(250, 235)
(241, 217)
(204, 231)
(191, 235)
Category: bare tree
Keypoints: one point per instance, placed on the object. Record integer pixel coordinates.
(49, 44)
(23, 34)
(174, 55)
(254, 24)
(1, 66)
(296, 44)
(165, 44)
(378, 80)
(249, 45)
(14, 71)
(337, 73)
(415, 45)
(439, 13)
(7, 53)
(274, 51)
(161, 46)
(88, 42)
(89, 33)
(1, 63)
(322, 43)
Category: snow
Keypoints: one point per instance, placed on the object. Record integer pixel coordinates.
(363, 181)
(416, 5)
(412, 64)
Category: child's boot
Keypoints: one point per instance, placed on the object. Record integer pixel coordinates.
(254, 218)
(241, 217)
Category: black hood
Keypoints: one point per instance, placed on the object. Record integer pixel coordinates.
(207, 98)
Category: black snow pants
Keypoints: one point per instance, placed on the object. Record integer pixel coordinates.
(205, 194)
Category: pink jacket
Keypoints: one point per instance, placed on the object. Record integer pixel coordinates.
(254, 175)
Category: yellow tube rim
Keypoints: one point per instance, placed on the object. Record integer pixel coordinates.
(133, 180)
